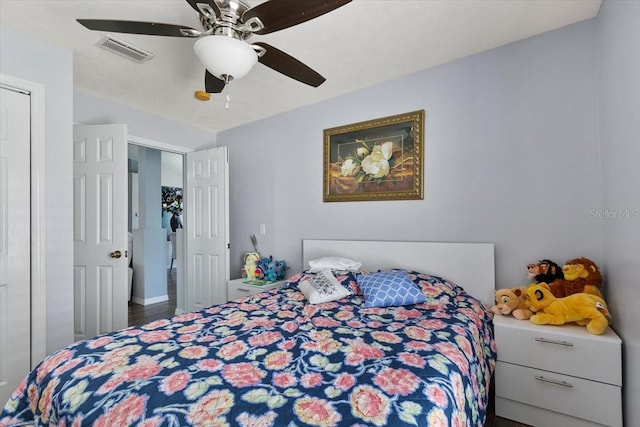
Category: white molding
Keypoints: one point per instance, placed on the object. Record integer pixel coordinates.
(38, 223)
(150, 143)
(149, 301)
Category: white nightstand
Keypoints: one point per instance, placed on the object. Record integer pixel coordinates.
(557, 375)
(236, 288)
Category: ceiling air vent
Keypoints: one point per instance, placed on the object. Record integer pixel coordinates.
(125, 49)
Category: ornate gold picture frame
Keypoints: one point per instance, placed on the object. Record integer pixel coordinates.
(379, 159)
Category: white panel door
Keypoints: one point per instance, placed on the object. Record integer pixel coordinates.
(207, 228)
(100, 229)
(15, 231)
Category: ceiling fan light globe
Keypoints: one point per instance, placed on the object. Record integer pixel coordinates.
(225, 56)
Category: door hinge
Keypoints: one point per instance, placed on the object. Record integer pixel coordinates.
(228, 245)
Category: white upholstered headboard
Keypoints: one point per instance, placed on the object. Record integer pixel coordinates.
(471, 265)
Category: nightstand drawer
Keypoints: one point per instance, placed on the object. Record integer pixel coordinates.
(240, 291)
(568, 349)
(576, 397)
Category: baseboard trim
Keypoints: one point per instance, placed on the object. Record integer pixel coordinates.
(149, 301)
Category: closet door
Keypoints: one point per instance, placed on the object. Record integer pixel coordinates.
(15, 237)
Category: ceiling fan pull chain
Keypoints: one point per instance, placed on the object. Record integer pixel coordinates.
(227, 101)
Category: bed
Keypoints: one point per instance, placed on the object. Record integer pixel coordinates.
(274, 359)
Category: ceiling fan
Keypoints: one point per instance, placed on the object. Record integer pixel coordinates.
(227, 24)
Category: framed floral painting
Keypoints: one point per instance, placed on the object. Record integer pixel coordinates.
(379, 159)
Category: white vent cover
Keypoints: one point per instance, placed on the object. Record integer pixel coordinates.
(124, 49)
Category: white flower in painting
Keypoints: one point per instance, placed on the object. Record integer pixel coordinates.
(375, 168)
(377, 163)
(349, 168)
(361, 152)
(386, 148)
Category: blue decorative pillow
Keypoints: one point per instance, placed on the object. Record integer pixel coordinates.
(389, 288)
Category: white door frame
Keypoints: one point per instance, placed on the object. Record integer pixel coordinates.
(38, 230)
(181, 279)
(162, 146)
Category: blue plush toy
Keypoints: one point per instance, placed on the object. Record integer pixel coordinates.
(268, 269)
(271, 273)
(281, 266)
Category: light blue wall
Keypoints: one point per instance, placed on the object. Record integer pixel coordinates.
(150, 187)
(150, 239)
(33, 60)
(92, 110)
(618, 47)
(512, 157)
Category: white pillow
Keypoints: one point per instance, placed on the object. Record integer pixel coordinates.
(334, 263)
(322, 287)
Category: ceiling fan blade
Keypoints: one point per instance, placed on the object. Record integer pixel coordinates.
(288, 65)
(212, 3)
(280, 14)
(212, 84)
(139, 27)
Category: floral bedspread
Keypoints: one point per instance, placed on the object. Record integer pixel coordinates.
(273, 360)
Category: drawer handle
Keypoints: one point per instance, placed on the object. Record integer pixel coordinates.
(548, 341)
(243, 290)
(556, 382)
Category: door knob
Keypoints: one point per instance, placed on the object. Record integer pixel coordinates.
(116, 254)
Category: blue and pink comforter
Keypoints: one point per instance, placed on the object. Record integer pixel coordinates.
(274, 360)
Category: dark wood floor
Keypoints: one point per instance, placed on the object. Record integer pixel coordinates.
(140, 314)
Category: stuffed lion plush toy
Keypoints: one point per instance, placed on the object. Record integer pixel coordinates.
(584, 309)
(581, 275)
(512, 302)
(545, 271)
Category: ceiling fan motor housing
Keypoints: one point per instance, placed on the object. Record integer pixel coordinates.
(228, 20)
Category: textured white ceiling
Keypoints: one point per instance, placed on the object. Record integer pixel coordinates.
(361, 44)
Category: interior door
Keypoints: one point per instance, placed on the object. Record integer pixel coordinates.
(15, 231)
(100, 229)
(207, 227)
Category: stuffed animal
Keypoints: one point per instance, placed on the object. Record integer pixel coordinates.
(260, 271)
(584, 309)
(545, 271)
(251, 260)
(581, 275)
(512, 302)
(270, 275)
(281, 266)
(266, 268)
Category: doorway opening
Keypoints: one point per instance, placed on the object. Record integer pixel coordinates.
(156, 183)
